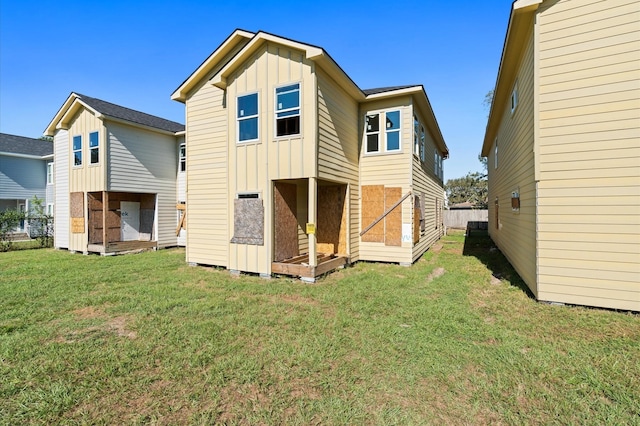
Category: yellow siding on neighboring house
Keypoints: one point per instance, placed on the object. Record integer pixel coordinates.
(589, 153)
(88, 177)
(338, 148)
(516, 231)
(391, 170)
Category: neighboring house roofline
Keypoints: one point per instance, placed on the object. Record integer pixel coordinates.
(421, 98)
(31, 157)
(25, 147)
(180, 94)
(517, 30)
(108, 111)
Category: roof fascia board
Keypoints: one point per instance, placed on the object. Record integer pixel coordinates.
(180, 94)
(53, 125)
(75, 106)
(29, 156)
(137, 125)
(521, 11)
(220, 79)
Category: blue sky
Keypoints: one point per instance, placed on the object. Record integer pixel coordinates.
(136, 53)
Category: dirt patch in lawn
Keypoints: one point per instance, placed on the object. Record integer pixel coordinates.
(436, 273)
(111, 325)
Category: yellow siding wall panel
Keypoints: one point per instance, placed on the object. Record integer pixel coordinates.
(338, 149)
(589, 193)
(516, 233)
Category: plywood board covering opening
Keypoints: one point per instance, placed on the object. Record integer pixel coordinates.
(331, 233)
(373, 207)
(286, 222)
(393, 221)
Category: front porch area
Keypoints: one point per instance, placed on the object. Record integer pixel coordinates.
(121, 222)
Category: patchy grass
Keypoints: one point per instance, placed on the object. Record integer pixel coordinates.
(455, 339)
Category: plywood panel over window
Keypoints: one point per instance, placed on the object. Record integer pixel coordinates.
(76, 210)
(372, 208)
(331, 235)
(393, 221)
(248, 221)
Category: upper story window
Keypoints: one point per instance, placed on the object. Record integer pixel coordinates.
(182, 159)
(77, 150)
(392, 134)
(514, 98)
(288, 110)
(441, 167)
(374, 142)
(372, 131)
(423, 145)
(94, 149)
(247, 117)
(416, 137)
(436, 163)
(495, 154)
(49, 173)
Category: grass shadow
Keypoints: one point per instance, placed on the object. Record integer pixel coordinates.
(478, 243)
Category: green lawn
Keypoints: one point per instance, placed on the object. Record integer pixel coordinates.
(145, 338)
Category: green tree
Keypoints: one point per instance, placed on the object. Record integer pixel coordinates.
(471, 188)
(9, 221)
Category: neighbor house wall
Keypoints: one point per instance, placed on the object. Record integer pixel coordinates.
(254, 165)
(144, 161)
(338, 153)
(589, 153)
(22, 178)
(61, 153)
(514, 232)
(181, 195)
(393, 170)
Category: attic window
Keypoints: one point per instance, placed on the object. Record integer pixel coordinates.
(514, 98)
(288, 110)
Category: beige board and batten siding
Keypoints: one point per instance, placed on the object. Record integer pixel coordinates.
(61, 169)
(87, 177)
(515, 233)
(589, 153)
(391, 169)
(426, 182)
(208, 171)
(144, 161)
(338, 152)
(254, 165)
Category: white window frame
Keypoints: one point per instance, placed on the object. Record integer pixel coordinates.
(495, 154)
(398, 130)
(73, 151)
(182, 157)
(514, 98)
(367, 133)
(423, 144)
(239, 119)
(435, 162)
(92, 148)
(276, 111)
(416, 136)
(50, 175)
(49, 209)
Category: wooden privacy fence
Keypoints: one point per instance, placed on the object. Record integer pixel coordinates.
(460, 218)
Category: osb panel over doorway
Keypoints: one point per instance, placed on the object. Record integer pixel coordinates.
(331, 230)
(286, 222)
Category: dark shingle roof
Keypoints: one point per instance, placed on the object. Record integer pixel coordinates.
(117, 111)
(22, 145)
(368, 92)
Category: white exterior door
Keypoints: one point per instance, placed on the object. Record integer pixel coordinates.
(129, 221)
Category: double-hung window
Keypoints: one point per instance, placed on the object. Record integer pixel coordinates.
(416, 138)
(94, 149)
(77, 150)
(423, 146)
(373, 135)
(183, 158)
(288, 110)
(49, 173)
(247, 118)
(372, 131)
(392, 133)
